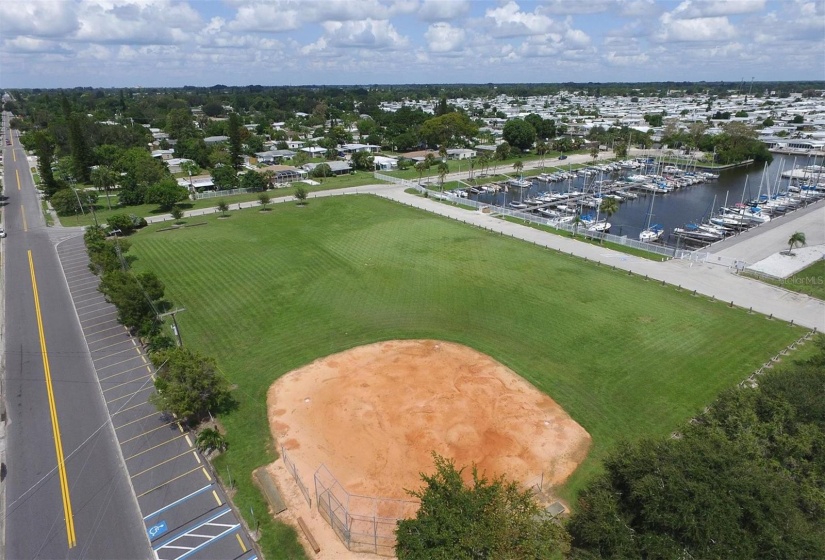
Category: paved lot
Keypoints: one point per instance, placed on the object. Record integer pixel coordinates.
(185, 511)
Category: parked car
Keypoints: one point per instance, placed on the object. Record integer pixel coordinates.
(2, 232)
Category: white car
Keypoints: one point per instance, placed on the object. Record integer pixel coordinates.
(2, 232)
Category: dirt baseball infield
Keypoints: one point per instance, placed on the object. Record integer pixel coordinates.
(374, 414)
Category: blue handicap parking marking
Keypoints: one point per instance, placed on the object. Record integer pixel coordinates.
(156, 530)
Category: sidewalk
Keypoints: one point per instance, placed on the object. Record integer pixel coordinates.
(707, 279)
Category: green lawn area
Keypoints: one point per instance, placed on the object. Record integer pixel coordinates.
(145, 210)
(809, 281)
(267, 292)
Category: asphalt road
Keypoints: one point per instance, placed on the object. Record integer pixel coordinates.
(67, 494)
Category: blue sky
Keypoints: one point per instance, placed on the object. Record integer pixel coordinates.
(128, 43)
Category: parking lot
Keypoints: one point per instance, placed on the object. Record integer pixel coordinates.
(185, 510)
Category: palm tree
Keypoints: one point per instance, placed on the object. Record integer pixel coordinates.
(443, 169)
(797, 239)
(518, 166)
(484, 161)
(541, 150)
(609, 206)
(472, 162)
(210, 439)
(421, 167)
(442, 151)
(103, 177)
(577, 220)
(269, 175)
(429, 159)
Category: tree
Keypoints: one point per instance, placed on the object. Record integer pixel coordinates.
(81, 152)
(594, 152)
(166, 194)
(541, 150)
(608, 207)
(502, 153)
(68, 201)
(519, 134)
(235, 145)
(363, 161)
(103, 177)
(518, 167)
(322, 170)
(620, 149)
(264, 199)
(485, 519)
(137, 297)
(188, 384)
(43, 145)
(796, 240)
(210, 439)
(443, 169)
(253, 181)
(451, 129)
(421, 167)
(300, 195)
(223, 207)
(225, 178)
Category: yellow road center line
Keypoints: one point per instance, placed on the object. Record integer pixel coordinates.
(217, 499)
(58, 444)
(23, 213)
(240, 541)
(17, 174)
(14, 155)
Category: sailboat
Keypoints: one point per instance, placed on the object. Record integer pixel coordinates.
(652, 232)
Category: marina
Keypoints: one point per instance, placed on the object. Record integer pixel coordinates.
(661, 203)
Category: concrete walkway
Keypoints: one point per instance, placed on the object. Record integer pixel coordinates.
(708, 279)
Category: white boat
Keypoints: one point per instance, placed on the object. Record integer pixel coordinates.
(651, 234)
(518, 205)
(602, 226)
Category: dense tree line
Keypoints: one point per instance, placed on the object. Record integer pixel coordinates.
(744, 480)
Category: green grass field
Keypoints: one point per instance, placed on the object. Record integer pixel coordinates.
(809, 281)
(267, 292)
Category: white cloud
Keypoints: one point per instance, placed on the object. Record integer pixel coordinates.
(288, 15)
(367, 34)
(443, 10)
(694, 29)
(567, 7)
(615, 59)
(443, 37)
(31, 45)
(509, 21)
(135, 22)
(38, 19)
(710, 8)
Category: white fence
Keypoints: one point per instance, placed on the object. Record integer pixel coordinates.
(219, 194)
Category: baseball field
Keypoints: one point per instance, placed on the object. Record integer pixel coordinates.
(267, 293)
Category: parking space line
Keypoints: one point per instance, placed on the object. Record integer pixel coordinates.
(210, 541)
(98, 301)
(206, 474)
(144, 471)
(172, 539)
(114, 353)
(240, 542)
(108, 346)
(198, 459)
(106, 322)
(93, 280)
(117, 326)
(179, 501)
(131, 394)
(148, 432)
(98, 297)
(139, 453)
(125, 383)
(122, 410)
(189, 441)
(111, 311)
(167, 482)
(115, 364)
(153, 413)
(217, 499)
(108, 337)
(77, 292)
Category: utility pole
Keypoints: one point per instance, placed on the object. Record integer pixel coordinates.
(175, 327)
